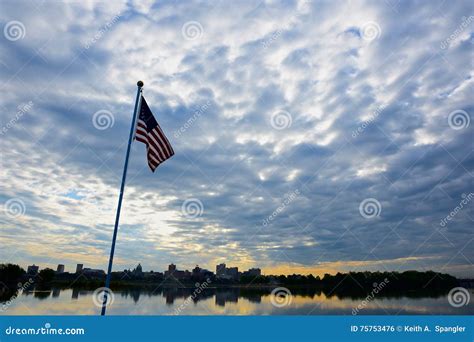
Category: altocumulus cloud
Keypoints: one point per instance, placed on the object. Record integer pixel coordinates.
(337, 102)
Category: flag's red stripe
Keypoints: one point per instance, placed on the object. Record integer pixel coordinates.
(163, 146)
(141, 134)
(166, 139)
(158, 141)
(140, 139)
(142, 131)
(153, 159)
(152, 167)
(157, 131)
(157, 148)
(156, 155)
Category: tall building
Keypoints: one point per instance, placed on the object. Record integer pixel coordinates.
(138, 271)
(227, 272)
(171, 270)
(32, 270)
(60, 268)
(79, 268)
(220, 270)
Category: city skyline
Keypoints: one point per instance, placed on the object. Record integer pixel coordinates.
(62, 268)
(79, 267)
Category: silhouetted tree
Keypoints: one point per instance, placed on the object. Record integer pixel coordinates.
(46, 275)
(10, 273)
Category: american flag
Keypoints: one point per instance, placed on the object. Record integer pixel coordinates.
(149, 132)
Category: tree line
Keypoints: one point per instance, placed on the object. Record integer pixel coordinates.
(347, 283)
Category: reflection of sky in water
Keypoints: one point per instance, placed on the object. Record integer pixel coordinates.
(224, 302)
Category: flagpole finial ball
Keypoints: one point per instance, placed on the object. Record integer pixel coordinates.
(140, 84)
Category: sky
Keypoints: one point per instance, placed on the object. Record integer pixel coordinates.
(309, 136)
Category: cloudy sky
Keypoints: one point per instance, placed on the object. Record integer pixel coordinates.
(310, 136)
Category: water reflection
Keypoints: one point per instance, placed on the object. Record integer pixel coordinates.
(221, 301)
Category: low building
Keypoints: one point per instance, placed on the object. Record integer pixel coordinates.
(79, 268)
(153, 276)
(93, 273)
(252, 272)
(32, 270)
(201, 274)
(173, 273)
